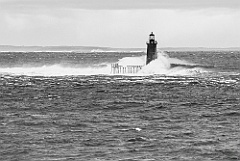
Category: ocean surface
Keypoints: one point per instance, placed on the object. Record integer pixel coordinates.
(69, 106)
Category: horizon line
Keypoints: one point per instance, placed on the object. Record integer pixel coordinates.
(1, 45)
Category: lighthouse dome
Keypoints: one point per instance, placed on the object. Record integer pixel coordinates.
(151, 34)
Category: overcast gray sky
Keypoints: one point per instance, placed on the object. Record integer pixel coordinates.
(120, 23)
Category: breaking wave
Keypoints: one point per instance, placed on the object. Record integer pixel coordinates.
(162, 66)
(55, 70)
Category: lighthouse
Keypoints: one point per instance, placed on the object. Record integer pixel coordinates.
(151, 48)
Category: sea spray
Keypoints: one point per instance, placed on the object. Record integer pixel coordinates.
(158, 66)
(132, 61)
(55, 70)
(161, 65)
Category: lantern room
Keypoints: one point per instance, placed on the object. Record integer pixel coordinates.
(152, 39)
(151, 36)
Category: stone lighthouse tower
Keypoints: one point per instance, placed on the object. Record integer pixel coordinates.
(151, 48)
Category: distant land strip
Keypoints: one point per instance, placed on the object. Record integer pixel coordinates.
(11, 48)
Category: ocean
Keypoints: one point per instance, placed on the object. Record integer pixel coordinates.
(69, 106)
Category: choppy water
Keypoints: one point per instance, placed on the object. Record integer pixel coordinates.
(178, 114)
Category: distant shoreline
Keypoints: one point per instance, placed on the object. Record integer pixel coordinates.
(11, 48)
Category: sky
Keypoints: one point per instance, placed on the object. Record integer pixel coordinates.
(120, 23)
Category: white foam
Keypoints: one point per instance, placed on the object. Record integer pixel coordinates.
(138, 129)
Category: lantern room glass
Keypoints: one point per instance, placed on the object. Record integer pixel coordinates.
(151, 37)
